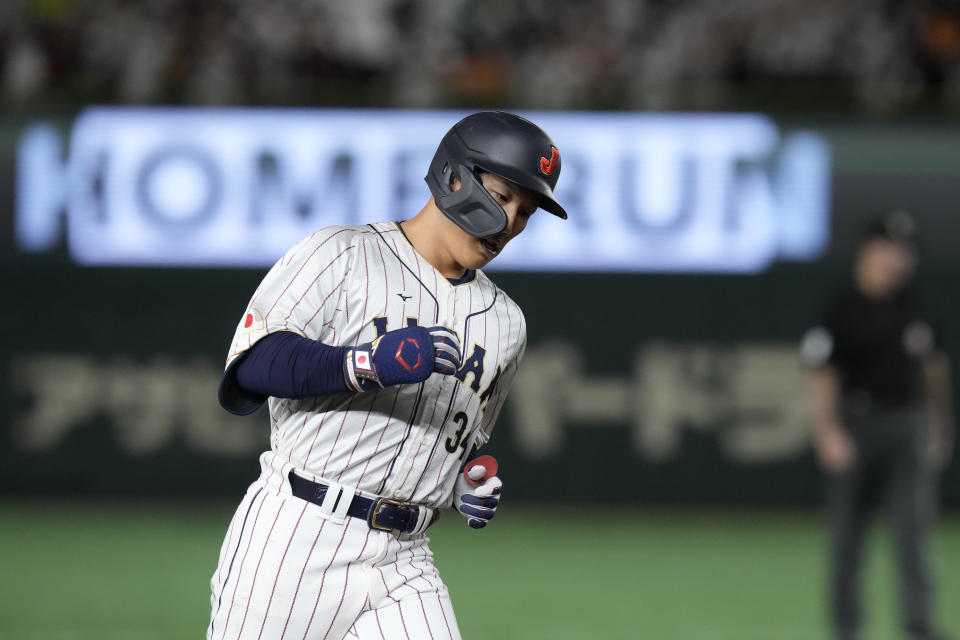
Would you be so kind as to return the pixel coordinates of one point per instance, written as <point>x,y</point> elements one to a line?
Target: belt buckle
<point>372,517</point>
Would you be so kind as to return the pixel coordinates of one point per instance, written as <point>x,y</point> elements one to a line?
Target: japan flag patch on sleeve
<point>252,321</point>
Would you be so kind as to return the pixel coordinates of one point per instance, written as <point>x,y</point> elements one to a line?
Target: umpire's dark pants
<point>891,468</point>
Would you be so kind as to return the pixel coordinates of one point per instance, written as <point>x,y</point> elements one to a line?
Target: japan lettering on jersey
<point>345,286</point>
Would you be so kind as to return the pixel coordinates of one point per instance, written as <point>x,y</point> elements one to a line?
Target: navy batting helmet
<point>495,142</point>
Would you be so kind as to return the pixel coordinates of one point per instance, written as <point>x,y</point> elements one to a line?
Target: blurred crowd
<point>882,54</point>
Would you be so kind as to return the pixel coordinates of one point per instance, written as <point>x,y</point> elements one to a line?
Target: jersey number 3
<point>457,441</point>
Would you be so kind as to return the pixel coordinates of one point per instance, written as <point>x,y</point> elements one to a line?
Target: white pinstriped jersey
<point>345,286</point>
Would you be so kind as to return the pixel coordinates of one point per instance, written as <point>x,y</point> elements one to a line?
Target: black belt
<point>380,513</point>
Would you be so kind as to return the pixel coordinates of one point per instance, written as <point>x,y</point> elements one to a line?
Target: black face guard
<point>472,207</point>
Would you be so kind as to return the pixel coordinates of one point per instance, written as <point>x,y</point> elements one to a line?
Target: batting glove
<point>477,503</point>
<point>404,356</point>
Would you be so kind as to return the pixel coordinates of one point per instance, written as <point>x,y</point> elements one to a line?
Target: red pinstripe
<point>436,442</point>
<point>442,467</point>
<point>243,561</point>
<point>407,583</point>
<point>346,413</point>
<point>439,399</point>
<point>483,304</point>
<point>403,274</point>
<point>376,450</point>
<point>307,260</point>
<point>465,344</point>
<point>280,568</point>
<point>437,404</point>
<point>413,463</point>
<point>333,618</point>
<point>385,585</point>
<point>500,342</point>
<point>455,393</point>
<point>323,579</point>
<point>386,470</point>
<point>308,288</point>
<point>379,626</point>
<point>306,458</point>
<point>323,303</point>
<point>436,590</point>
<point>346,308</point>
<point>422,559</point>
<point>256,572</point>
<point>289,258</point>
<point>416,262</point>
<point>495,403</point>
<point>296,442</point>
<point>444,614</point>
<point>426,618</point>
<point>296,591</point>
<point>396,567</point>
<point>346,581</point>
<point>366,419</point>
<point>403,620</point>
<point>366,290</point>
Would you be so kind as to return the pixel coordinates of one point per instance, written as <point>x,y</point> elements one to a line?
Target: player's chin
<point>474,263</point>
<point>488,250</point>
<point>473,258</point>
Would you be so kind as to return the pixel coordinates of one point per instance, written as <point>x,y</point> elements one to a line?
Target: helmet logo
<point>547,166</point>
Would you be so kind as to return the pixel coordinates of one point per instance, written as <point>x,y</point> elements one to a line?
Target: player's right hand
<point>477,497</point>
<point>403,356</point>
<point>446,350</point>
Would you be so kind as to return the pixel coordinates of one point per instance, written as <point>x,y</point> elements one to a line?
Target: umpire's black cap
<point>894,226</point>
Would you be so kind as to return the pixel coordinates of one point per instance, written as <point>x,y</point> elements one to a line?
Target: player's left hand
<point>475,498</point>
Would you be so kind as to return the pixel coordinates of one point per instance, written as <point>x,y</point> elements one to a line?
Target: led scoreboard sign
<point>238,187</point>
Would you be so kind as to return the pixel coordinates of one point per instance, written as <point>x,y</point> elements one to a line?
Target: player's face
<point>519,204</point>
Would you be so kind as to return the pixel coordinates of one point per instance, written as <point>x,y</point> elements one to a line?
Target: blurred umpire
<point>883,423</point>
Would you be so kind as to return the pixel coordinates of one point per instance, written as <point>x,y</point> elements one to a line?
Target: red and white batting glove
<point>477,491</point>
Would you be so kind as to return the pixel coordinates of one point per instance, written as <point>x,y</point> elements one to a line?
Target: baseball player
<point>385,355</point>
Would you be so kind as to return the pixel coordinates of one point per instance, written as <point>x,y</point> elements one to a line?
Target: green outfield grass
<point>107,572</point>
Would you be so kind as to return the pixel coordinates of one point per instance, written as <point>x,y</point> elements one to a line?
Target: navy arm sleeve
<point>282,365</point>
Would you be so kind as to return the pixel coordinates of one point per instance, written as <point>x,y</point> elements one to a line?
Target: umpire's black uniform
<point>875,349</point>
